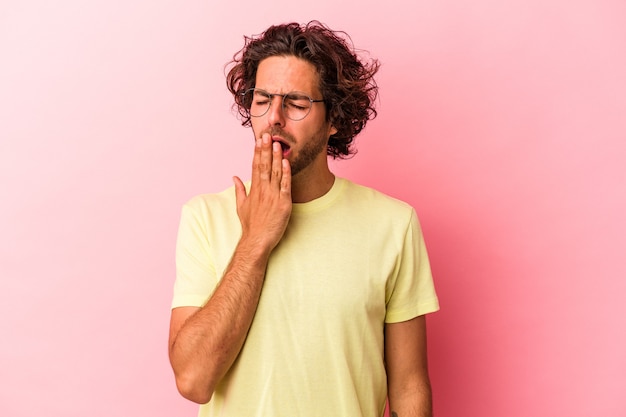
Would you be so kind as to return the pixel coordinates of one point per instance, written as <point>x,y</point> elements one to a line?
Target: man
<point>300,293</point>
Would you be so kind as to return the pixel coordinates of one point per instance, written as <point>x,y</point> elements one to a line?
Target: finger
<point>256,160</point>
<point>240,192</point>
<point>285,181</point>
<point>264,166</point>
<point>277,157</point>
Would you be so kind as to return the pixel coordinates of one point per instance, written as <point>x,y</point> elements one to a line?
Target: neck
<point>305,189</point>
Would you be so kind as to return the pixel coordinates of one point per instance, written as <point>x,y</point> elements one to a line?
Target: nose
<point>275,116</point>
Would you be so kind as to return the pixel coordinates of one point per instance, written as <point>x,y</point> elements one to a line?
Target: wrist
<point>254,251</point>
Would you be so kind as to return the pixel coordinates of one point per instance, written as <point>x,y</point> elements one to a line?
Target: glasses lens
<point>296,106</point>
<point>258,101</point>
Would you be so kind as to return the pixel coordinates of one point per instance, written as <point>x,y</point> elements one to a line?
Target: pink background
<point>503,123</point>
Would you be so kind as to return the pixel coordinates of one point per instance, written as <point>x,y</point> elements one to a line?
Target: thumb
<point>240,191</point>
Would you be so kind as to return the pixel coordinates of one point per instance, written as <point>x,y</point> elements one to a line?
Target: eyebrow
<point>282,94</point>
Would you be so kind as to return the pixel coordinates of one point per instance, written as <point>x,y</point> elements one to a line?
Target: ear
<point>332,130</point>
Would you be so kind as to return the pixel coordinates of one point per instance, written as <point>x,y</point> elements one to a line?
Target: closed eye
<point>261,96</point>
<point>297,102</point>
<point>296,106</point>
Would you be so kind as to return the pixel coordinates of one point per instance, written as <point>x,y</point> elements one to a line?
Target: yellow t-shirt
<point>349,262</point>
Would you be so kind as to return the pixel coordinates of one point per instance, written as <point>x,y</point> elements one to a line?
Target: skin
<point>204,342</point>
<point>408,383</point>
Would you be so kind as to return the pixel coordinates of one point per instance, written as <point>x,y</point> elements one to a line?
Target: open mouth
<point>285,147</point>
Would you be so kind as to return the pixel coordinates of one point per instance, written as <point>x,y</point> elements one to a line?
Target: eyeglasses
<point>296,106</point>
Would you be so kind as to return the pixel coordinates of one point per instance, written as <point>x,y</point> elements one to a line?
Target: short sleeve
<point>195,269</point>
<point>411,291</point>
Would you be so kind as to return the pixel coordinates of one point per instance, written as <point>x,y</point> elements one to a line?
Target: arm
<point>204,342</point>
<point>407,369</point>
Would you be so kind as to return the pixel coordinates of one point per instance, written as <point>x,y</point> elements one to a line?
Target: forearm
<point>413,402</point>
<point>406,361</point>
<point>209,341</point>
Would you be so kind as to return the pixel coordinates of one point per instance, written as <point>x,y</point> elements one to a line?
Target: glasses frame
<point>282,102</point>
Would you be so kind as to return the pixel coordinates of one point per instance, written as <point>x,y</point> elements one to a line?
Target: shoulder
<point>211,201</point>
<point>211,208</point>
<point>370,199</point>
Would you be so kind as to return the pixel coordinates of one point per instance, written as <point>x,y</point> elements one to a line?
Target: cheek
<point>257,126</point>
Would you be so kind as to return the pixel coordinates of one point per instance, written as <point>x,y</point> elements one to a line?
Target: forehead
<point>283,74</point>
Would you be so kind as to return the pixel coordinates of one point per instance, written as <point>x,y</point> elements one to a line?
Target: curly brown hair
<point>346,83</point>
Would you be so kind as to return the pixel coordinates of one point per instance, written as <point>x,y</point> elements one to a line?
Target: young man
<point>300,293</point>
